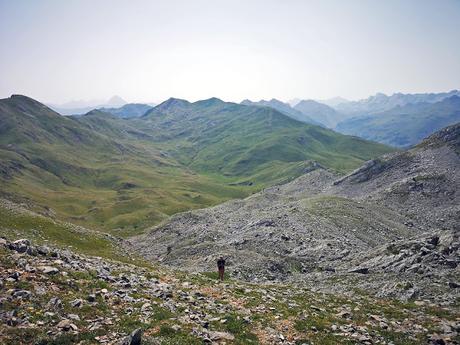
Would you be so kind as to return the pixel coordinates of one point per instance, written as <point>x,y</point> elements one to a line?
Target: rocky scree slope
<point>54,296</point>
<point>321,227</point>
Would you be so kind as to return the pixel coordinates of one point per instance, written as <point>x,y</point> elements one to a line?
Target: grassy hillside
<point>239,140</point>
<point>129,110</point>
<point>19,222</point>
<point>108,179</point>
<point>123,175</point>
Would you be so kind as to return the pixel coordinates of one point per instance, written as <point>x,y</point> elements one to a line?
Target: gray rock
<point>454,285</point>
<point>67,325</point>
<point>76,303</point>
<point>20,246</point>
<point>215,336</point>
<point>43,250</point>
<point>54,303</point>
<point>49,270</point>
<point>362,270</point>
<point>23,294</point>
<point>32,251</point>
<point>134,338</point>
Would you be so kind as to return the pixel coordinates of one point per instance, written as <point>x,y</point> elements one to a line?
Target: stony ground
<point>54,296</point>
<point>424,267</point>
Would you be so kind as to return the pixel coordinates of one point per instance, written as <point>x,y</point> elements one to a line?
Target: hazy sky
<point>56,51</point>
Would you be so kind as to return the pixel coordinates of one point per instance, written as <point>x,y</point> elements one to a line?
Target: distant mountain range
<point>115,105</point>
<point>285,108</point>
<point>399,120</point>
<point>82,107</point>
<point>333,102</point>
<point>319,112</point>
<point>114,101</point>
<point>308,111</point>
<point>381,102</point>
<point>406,125</point>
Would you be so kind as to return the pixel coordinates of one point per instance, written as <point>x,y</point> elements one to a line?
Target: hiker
<point>221,267</point>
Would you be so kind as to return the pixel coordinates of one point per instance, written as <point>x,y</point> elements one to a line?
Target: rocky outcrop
<point>99,301</point>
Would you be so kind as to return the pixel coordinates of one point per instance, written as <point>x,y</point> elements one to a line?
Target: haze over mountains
<point>321,113</point>
<point>82,106</point>
<point>115,105</point>
<point>400,120</point>
<point>284,108</point>
<point>381,102</point>
<point>404,125</point>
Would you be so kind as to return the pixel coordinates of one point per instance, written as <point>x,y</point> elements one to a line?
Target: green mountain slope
<point>213,136</point>
<point>129,110</point>
<point>122,175</point>
<point>19,222</point>
<point>110,179</point>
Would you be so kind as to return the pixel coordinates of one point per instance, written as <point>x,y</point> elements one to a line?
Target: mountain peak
<point>19,98</point>
<point>209,101</point>
<point>333,102</point>
<point>311,103</point>
<point>277,101</point>
<point>116,101</point>
<point>171,103</point>
<point>99,112</point>
<point>379,96</point>
<point>173,100</point>
<point>27,103</point>
<point>307,101</point>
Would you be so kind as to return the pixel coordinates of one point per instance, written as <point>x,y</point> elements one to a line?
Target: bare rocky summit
<point>391,227</point>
